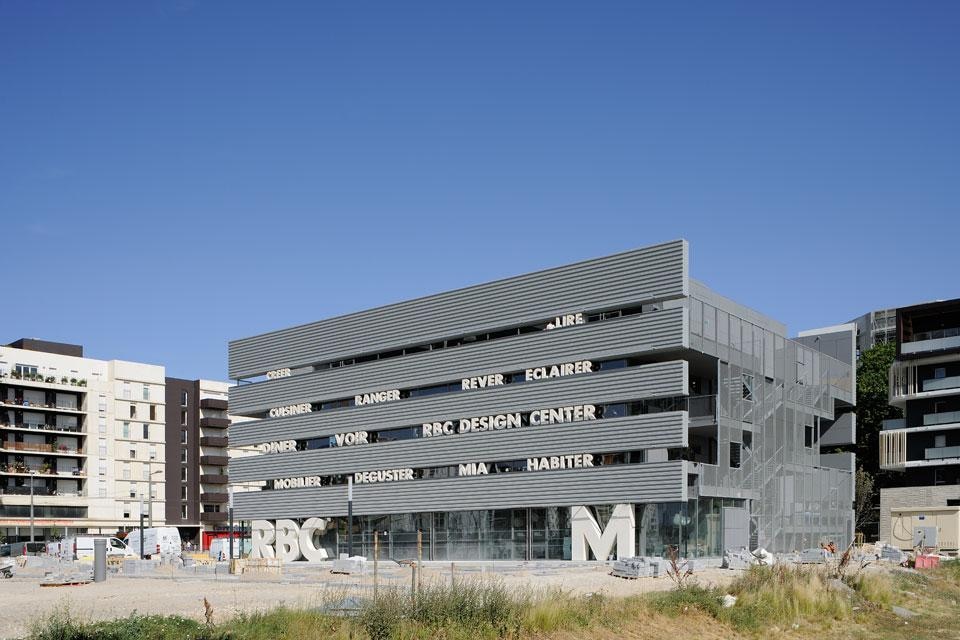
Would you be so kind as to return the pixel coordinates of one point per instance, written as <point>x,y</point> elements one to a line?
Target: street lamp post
<point>141,528</point>
<point>230,515</point>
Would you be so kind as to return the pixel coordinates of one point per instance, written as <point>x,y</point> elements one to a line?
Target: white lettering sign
<point>384,475</point>
<point>290,410</point>
<point>575,461</point>
<point>281,446</point>
<point>278,373</point>
<point>559,370</point>
<point>480,382</point>
<point>585,532</point>
<point>473,469</point>
<point>567,320</point>
<point>576,413</point>
<point>297,483</point>
<point>347,439</point>
<point>288,541</point>
<point>376,397</point>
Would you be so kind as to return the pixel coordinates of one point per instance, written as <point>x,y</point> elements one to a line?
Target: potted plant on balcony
<point>15,374</point>
<point>73,381</point>
<point>64,380</point>
<point>50,379</point>
<point>45,467</point>
<point>82,382</point>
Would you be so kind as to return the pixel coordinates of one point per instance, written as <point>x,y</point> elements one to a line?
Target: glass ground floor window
<point>539,533</point>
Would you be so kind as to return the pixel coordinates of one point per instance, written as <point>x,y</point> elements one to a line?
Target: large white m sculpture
<point>586,533</point>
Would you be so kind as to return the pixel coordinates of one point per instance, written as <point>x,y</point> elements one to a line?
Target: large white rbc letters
<point>286,540</point>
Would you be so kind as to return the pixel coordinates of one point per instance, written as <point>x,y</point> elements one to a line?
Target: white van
<point>81,548</point>
<point>220,547</point>
<point>157,541</point>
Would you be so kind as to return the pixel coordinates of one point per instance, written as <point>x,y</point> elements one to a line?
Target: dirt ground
<point>24,600</point>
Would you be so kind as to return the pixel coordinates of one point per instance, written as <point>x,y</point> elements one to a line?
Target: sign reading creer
<point>279,373</point>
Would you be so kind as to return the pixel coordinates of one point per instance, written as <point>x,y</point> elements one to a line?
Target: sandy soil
<point>173,592</point>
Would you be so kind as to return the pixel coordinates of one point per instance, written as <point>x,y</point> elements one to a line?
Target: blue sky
<point>177,174</point>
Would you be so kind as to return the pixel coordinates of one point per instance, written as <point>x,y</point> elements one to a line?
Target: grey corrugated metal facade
<point>689,418</point>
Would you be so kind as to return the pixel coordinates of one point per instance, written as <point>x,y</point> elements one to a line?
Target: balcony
<point>35,406</point>
<point>937,340</point>
<point>20,469</point>
<point>894,423</point>
<point>946,417</point>
<point>939,453</point>
<point>61,450</point>
<point>213,516</point>
<point>76,385</point>
<point>219,461</point>
<point>214,423</point>
<point>215,498</point>
<point>213,478</point>
<point>52,428</point>
<point>39,491</point>
<point>217,404</point>
<point>939,384</point>
<point>214,441</point>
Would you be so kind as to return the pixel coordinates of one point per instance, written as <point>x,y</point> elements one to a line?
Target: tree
<point>863,505</point>
<point>873,382</point>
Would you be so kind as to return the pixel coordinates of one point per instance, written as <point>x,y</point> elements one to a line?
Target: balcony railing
<point>938,453</point>
<point>47,472</point>
<point>42,448</point>
<point>42,427</point>
<point>945,417</point>
<point>219,461</point>
<point>214,441</point>
<point>939,384</point>
<point>894,423</point>
<point>213,478</point>
<point>218,423</point>
<point>213,403</point>
<point>39,491</point>
<point>932,341</point>
<point>213,516</point>
<point>215,498</point>
<point>702,406</point>
<point>30,377</point>
<point>39,406</point>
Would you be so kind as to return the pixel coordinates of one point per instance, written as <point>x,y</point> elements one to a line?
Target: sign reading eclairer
<point>567,320</point>
<point>536,373</point>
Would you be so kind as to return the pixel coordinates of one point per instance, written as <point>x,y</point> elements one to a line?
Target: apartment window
<point>153,412</point>
<point>183,455</point>
<point>26,369</point>
<point>103,468</point>
<point>183,492</point>
<point>183,416</point>
<point>183,398</point>
<point>940,372</point>
<point>145,472</point>
<point>103,403</point>
<point>153,452</point>
<point>133,452</point>
<point>146,432</point>
<point>102,448</point>
<point>183,436</point>
<point>133,491</point>
<point>183,474</point>
<point>734,455</point>
<point>183,511</point>
<point>940,441</point>
<point>808,437</point>
<point>126,510</point>
<point>146,392</point>
<point>133,410</point>
<point>126,390</point>
<point>102,424</point>
<point>102,491</point>
<point>747,440</point>
<point>126,472</point>
<point>126,429</point>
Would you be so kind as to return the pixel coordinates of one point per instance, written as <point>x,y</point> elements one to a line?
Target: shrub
<point>784,594</point>
<point>875,587</point>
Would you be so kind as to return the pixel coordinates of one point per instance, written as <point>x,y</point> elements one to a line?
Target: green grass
<point>786,597</point>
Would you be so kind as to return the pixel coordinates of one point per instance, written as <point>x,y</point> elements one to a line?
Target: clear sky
<point>177,174</point>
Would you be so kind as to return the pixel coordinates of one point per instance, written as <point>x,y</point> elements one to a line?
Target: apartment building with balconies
<point>924,445</point>
<point>79,434</point>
